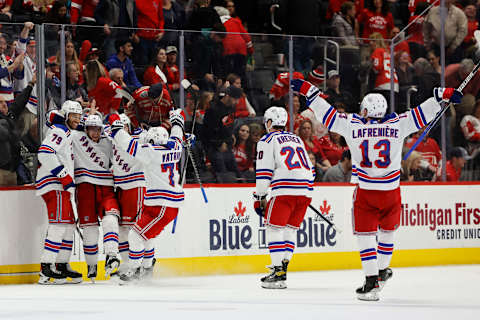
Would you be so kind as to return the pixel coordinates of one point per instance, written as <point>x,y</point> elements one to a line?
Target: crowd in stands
<point>117,53</point>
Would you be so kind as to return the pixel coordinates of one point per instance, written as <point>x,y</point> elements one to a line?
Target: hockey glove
<point>65,178</point>
<point>176,118</point>
<point>306,89</point>
<point>260,204</point>
<point>115,124</point>
<point>450,95</point>
<point>189,140</point>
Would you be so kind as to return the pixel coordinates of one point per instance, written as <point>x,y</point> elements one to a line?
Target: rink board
<point>440,225</point>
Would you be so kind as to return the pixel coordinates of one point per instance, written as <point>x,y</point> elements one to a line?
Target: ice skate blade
<point>274,285</point>
<point>109,270</point>
<point>49,281</point>
<point>381,284</point>
<point>92,280</point>
<point>371,296</point>
<point>75,281</point>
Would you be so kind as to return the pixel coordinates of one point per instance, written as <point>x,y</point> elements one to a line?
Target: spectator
<point>415,32</point>
<point>207,59</point>
<point>71,56</point>
<point>117,19</point>
<point>376,18</point>
<point>433,57</point>
<point>316,167</point>
<point>342,171</point>
<point>457,72</point>
<point>116,75</point>
<point>203,17</point>
<point>399,45</point>
<point>470,125</point>
<point>257,131</point>
<point>151,107</point>
<point>469,43</point>
<point>5,14</point>
<point>9,70</point>
<point>345,25</point>
<point>121,60</point>
<point>281,87</point>
<point>426,78</point>
<point>82,14</point>
<point>404,69</point>
<point>415,168</point>
<point>312,143</point>
<point>236,44</point>
<point>455,164</point>
<point>456,28</point>
<point>9,135</point>
<point>56,16</point>
<point>428,149</point>
<point>75,91</point>
<point>333,90</point>
<point>149,16</point>
<point>243,108</point>
<point>173,70</point>
<point>174,17</point>
<point>381,65</point>
<point>217,135</point>
<point>157,70</point>
<point>244,152</point>
<point>316,76</point>
<point>332,145</point>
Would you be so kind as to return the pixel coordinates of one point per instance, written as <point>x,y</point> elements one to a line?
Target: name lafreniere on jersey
<point>375,132</point>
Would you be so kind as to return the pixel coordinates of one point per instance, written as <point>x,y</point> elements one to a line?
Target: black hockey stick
<point>325,219</point>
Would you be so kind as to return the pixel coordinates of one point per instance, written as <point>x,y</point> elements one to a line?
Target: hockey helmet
<point>156,135</point>
<point>71,106</point>
<point>277,115</point>
<point>93,120</point>
<point>55,117</point>
<point>375,104</point>
<point>125,119</point>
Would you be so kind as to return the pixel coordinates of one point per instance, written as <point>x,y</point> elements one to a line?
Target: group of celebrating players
<point>129,179</point>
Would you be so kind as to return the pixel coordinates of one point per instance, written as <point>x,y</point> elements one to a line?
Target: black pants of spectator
<point>223,164</point>
<point>236,63</point>
<point>86,31</point>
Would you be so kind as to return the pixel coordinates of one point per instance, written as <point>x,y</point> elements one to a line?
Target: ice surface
<point>413,293</point>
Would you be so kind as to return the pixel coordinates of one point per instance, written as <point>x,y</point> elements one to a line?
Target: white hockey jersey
<point>56,151</point>
<point>283,164</point>
<point>92,160</point>
<point>160,165</point>
<point>127,171</point>
<point>375,145</point>
<point>29,68</point>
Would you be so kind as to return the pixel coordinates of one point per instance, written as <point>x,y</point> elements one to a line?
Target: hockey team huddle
<point>128,179</point>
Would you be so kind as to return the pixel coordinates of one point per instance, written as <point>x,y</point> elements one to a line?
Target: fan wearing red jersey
<point>381,63</point>
<point>375,141</point>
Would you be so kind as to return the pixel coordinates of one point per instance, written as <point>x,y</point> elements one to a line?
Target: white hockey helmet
<point>71,106</point>
<point>125,119</point>
<point>277,115</point>
<point>93,120</point>
<point>156,135</point>
<point>375,104</point>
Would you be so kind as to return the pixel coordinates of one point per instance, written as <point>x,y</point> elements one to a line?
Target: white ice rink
<point>438,293</point>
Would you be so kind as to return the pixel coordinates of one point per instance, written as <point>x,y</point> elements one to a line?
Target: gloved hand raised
<point>450,95</point>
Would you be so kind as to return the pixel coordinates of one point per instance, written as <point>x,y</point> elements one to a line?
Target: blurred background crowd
<point>239,56</point>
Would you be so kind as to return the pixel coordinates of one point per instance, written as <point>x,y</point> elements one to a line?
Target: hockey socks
<point>67,245</point>
<point>136,249</point>
<point>110,234</point>
<point>90,244</point>
<point>367,246</point>
<point>276,244</point>
<point>290,235</point>
<point>384,249</point>
<point>53,243</point>
<point>149,253</point>
<point>123,242</point>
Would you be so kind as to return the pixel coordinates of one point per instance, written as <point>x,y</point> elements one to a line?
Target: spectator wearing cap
<point>458,157</point>
<point>174,17</point>
<point>317,76</point>
<point>217,132</point>
<point>117,19</point>
<point>345,25</point>
<point>333,90</point>
<point>121,60</point>
<point>237,43</point>
<point>151,108</point>
<point>174,71</point>
<point>243,108</point>
<point>150,22</point>
<point>342,171</point>
<point>9,70</point>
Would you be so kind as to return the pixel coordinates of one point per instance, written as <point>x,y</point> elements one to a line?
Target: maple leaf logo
<point>239,209</point>
<point>325,209</point>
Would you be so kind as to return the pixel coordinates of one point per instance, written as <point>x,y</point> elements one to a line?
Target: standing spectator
<point>9,135</point>
<point>457,72</point>
<point>426,78</point>
<point>149,16</point>
<point>280,87</point>
<point>415,32</point>
<point>342,171</point>
<point>456,28</point>
<point>316,76</point>
<point>469,43</point>
<point>244,152</point>
<point>402,45</point>
<point>433,57</point>
<point>458,157</point>
<point>82,14</point>
<point>243,108</point>
<point>217,135</point>
<point>5,14</point>
<point>404,68</point>
<point>174,17</point>
<point>121,60</point>
<point>203,17</point>
<point>9,69</point>
<point>71,56</point>
<point>236,44</point>
<point>56,16</point>
<point>381,65</point>
<point>376,17</point>
<point>345,25</point>
<point>120,14</point>
<point>333,90</point>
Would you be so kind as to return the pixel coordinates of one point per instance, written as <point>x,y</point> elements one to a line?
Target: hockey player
<point>95,196</point>
<point>283,165</point>
<point>375,141</point>
<point>130,189</point>
<point>55,185</point>
<point>160,157</point>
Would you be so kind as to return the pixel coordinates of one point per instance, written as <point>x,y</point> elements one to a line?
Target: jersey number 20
<point>384,152</point>
<point>289,161</point>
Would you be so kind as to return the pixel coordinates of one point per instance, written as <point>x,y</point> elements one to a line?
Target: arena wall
<point>440,225</point>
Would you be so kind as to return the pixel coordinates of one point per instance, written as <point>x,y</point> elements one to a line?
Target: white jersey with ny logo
<point>375,145</point>
<point>283,164</point>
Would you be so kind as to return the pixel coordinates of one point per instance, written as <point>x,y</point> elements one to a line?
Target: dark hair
<point>52,15</point>
<point>249,144</point>
<point>346,6</point>
<point>385,7</point>
<point>420,7</point>
<point>346,155</point>
<point>121,42</point>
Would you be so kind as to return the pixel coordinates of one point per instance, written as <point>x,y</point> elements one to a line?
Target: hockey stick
<point>325,219</point>
<point>75,214</point>
<point>442,111</point>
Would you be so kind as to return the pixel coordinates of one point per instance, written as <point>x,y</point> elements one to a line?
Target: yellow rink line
<point>15,274</point>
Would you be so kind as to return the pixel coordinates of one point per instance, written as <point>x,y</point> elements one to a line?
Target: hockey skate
<point>67,271</point>
<point>47,272</point>
<point>130,276</point>
<point>369,290</point>
<point>92,272</point>
<point>285,263</point>
<point>111,263</point>
<point>147,273</point>
<point>383,276</point>
<point>276,279</point>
